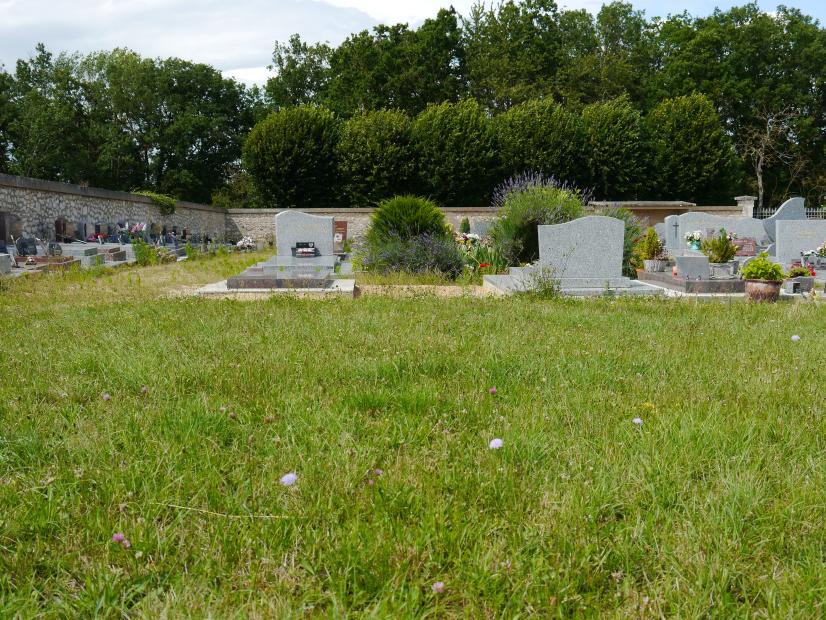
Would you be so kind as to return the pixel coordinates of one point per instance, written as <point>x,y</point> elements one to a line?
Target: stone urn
<point>763,290</point>
<point>723,271</point>
<point>655,265</point>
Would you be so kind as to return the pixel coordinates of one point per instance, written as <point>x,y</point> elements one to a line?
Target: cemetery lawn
<point>713,507</point>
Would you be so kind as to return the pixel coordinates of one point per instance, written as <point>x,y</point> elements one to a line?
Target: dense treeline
<point>455,153</point>
<point>600,99</point>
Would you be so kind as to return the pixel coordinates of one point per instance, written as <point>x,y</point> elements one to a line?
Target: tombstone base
<point>696,287</point>
<point>569,287</point>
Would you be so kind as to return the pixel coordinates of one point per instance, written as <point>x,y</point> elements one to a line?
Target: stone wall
<point>32,206</point>
<point>260,223</point>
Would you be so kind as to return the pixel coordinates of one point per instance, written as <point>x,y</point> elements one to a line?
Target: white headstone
<point>792,209</point>
<point>588,247</point>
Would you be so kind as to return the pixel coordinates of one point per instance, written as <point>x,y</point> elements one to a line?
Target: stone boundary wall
<point>260,223</point>
<point>37,204</point>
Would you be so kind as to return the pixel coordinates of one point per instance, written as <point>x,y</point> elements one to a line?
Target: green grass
<point>714,507</point>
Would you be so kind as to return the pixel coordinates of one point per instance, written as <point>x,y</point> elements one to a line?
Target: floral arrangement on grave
<point>693,239</point>
<point>651,246</point>
<point>467,240</point>
<point>479,254</point>
<point>799,271</point>
<point>761,268</point>
<point>720,248</point>
<point>821,251</point>
<point>246,243</point>
<point>651,250</point>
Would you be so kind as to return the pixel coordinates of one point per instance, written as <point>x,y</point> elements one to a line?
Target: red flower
<point>483,265</point>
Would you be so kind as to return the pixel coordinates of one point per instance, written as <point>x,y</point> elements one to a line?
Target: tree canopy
<point>554,76</point>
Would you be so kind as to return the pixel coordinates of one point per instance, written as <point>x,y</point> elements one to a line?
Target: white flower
<point>795,338</point>
<point>495,444</point>
<point>289,479</point>
<point>637,421</point>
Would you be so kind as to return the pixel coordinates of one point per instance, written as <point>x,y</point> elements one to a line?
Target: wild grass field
<point>713,506</point>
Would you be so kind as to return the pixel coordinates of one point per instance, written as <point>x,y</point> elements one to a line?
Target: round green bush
<point>405,217</point>
<point>375,157</point>
<point>526,202</point>
<point>456,152</point>
<point>291,158</point>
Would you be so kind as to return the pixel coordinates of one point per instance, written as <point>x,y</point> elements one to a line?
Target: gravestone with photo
<point>305,255</point>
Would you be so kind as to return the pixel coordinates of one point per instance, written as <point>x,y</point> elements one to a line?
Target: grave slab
<point>796,236</point>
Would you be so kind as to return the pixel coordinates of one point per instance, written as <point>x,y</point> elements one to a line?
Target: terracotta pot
<point>763,290</point>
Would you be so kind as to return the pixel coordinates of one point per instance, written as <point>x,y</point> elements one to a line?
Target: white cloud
<point>400,11</point>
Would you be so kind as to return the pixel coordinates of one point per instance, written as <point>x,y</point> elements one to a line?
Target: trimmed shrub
<point>455,149</point>
<point>404,217</point>
<point>526,202</point>
<point>615,149</point>
<point>291,158</point>
<point>375,157</point>
<point>693,157</point>
<point>541,135</point>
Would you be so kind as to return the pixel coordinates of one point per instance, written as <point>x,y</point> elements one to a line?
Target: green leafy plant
<point>761,268</point>
<point>464,226</point>
<point>145,254</point>
<point>799,272</point>
<point>720,248</point>
<point>166,204</point>
<point>651,246</point>
<point>405,217</point>
<point>526,202</point>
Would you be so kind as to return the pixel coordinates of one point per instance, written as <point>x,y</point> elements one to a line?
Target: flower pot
<point>723,271</point>
<point>654,265</point>
<point>763,290</point>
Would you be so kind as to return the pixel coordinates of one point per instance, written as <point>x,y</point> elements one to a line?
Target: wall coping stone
<point>8,180</point>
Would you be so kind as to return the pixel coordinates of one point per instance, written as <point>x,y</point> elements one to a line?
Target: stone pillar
<point>746,204</point>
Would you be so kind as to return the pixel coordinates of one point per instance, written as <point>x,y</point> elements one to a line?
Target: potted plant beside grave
<point>693,239</point>
<point>721,251</point>
<point>763,279</point>
<point>652,252</point>
<point>804,277</point>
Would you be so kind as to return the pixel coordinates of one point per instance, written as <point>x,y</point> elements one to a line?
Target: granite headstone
<point>792,209</point>
<point>796,236</point>
<point>588,247</point>
<point>292,227</point>
<point>693,267</point>
<point>5,264</point>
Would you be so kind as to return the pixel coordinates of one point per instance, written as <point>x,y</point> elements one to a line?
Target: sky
<point>237,36</point>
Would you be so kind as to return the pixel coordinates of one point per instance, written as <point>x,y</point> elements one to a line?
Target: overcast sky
<point>237,36</point>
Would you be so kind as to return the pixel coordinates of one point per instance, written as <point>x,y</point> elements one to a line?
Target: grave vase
<point>694,245</point>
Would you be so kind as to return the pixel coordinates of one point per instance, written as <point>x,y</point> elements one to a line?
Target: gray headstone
<point>660,230</point>
<point>796,236</point>
<point>480,227</point>
<point>293,227</point>
<point>5,264</point>
<point>588,247</point>
<point>693,267</point>
<point>792,209</point>
<point>673,240</point>
<point>740,226</point>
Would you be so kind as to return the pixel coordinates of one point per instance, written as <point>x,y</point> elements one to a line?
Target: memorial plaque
<point>339,236</point>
